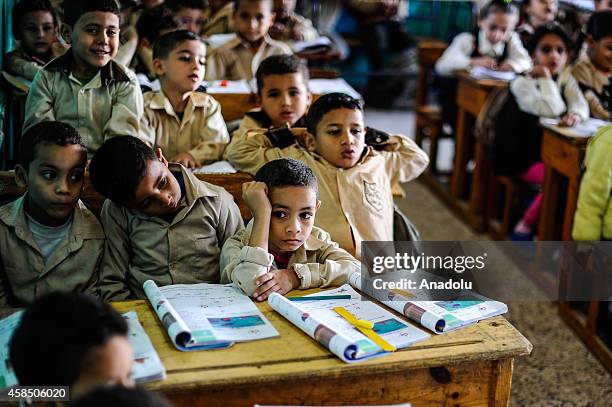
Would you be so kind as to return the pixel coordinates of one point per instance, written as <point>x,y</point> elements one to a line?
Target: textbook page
<point>583,129</point>
<point>147,365</point>
<point>218,167</point>
<point>480,72</point>
<point>7,327</point>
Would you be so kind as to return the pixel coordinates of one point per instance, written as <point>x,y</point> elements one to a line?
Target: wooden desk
<point>472,366</point>
<point>429,51</point>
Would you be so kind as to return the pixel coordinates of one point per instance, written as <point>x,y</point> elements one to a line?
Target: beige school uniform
<point>109,105</point>
<point>319,262</point>
<point>184,251</point>
<point>73,266</point>
<point>357,204</point>
<point>201,133</point>
<point>595,86</point>
<point>20,63</point>
<point>219,23</point>
<point>235,59</point>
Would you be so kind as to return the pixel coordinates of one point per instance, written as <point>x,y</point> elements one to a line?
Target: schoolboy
<point>35,27</point>
<point>290,26</point>
<point>354,179</point>
<point>239,58</point>
<point>74,340</point>
<point>186,125</point>
<point>282,93</point>
<point>161,222</point>
<point>49,240</point>
<point>218,18</point>
<point>281,249</point>
<point>189,13</point>
<point>85,87</point>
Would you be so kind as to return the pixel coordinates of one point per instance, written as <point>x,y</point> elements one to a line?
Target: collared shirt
<point>219,23</point>
<point>235,59</point>
<point>596,87</point>
<point>20,63</point>
<point>109,105</point>
<point>201,132</point>
<point>185,251</point>
<point>319,262</point>
<point>356,203</point>
<point>73,266</point>
<point>458,54</point>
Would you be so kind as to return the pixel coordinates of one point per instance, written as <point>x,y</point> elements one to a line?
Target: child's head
<point>35,26</point>
<point>92,28</point>
<point>52,167</point>
<point>599,39</point>
<point>550,46</point>
<point>189,13</point>
<point>282,87</point>
<point>497,20</point>
<point>71,339</point>
<point>179,60</point>
<point>129,173</point>
<point>153,23</point>
<point>336,129</point>
<point>539,12</point>
<point>293,194</point>
<point>120,396</point>
<point>283,8</point>
<point>253,18</point>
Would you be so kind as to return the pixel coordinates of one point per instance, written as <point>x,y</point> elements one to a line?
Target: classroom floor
<point>561,371</point>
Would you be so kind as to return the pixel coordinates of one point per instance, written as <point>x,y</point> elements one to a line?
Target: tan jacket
<point>357,204</point>
<point>24,275</point>
<point>185,251</point>
<point>109,105</point>
<point>319,262</point>
<point>235,60</point>
<point>201,133</point>
<point>592,82</point>
<point>219,23</point>
<point>19,63</point>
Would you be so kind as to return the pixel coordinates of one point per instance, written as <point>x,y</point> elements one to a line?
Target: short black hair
<point>169,41</point>
<point>177,5</point>
<point>280,65</point>
<point>600,25</point>
<point>286,172</point>
<point>237,3</point>
<point>549,28</point>
<point>24,7</point>
<point>499,6</point>
<point>57,332</point>
<point>118,166</point>
<point>326,104</point>
<point>154,20</point>
<point>74,9</point>
<point>119,396</point>
<point>47,132</point>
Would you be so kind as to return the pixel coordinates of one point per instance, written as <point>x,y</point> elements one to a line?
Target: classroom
<point>306,202</point>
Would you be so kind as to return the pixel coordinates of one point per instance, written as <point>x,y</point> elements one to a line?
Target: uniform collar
<point>109,73</point>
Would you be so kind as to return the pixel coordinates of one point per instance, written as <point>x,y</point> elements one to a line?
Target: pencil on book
<point>321,298</point>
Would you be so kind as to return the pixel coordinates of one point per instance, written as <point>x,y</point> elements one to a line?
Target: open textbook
<point>465,308</point>
<point>207,316</point>
<point>318,319</point>
<point>479,72</point>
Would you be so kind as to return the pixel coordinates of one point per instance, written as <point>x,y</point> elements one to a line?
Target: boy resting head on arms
<point>72,340</point>
<point>355,180</point>
<point>281,249</point>
<point>187,125</point>
<point>189,13</point>
<point>239,58</point>
<point>161,222</point>
<point>49,240</point>
<point>290,26</point>
<point>35,26</point>
<point>152,24</point>
<point>282,93</point>
<point>85,87</point>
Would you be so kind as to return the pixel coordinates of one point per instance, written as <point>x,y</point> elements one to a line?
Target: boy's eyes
<point>48,175</point>
<point>279,214</point>
<point>306,215</point>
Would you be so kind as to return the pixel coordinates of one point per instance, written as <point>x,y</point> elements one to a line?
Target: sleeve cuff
<point>309,277</point>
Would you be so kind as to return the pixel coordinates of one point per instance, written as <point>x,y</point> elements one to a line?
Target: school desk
<point>471,366</point>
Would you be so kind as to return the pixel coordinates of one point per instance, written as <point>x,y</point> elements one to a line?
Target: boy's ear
<point>144,43</point>
<point>318,205</point>
<point>309,98</point>
<point>66,32</point>
<point>158,67</point>
<point>309,141</point>
<point>21,176</point>
<point>160,156</point>
<point>590,41</point>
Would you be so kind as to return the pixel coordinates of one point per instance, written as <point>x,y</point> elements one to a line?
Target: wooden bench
<point>231,182</point>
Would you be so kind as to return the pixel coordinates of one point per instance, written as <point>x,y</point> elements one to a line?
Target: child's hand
<point>185,159</point>
<point>393,144</point>
<point>255,194</point>
<point>280,281</point>
<point>540,71</point>
<point>505,67</point>
<point>486,62</point>
<point>570,120</point>
<point>276,30</point>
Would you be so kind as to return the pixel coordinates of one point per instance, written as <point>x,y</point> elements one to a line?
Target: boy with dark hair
<point>189,13</point>
<point>187,125</point>
<point>161,222</point>
<point>85,87</point>
<point>355,180</point>
<point>71,339</point>
<point>281,249</point>
<point>120,396</point>
<point>49,240</point>
<point>218,18</point>
<point>290,26</point>
<point>239,58</point>
<point>282,92</point>
<point>35,26</point>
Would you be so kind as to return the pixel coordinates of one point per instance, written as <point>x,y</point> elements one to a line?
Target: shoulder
<point>123,74</point>
<point>582,69</point>
<point>88,224</point>
<point>279,46</point>
<point>465,38</point>
<point>203,100</point>
<point>8,212</point>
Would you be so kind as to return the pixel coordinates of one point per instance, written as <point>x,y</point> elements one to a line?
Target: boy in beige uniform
<point>218,18</point>
<point>85,87</point>
<point>187,125</point>
<point>162,223</point>
<point>354,180</point>
<point>289,26</point>
<point>281,249</point>
<point>240,57</point>
<point>49,240</point>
